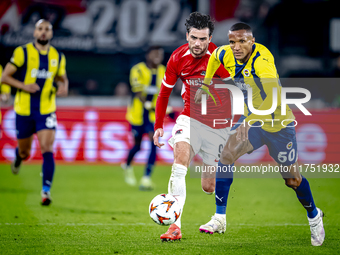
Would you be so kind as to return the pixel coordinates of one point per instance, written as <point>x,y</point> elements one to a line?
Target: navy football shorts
<point>26,126</point>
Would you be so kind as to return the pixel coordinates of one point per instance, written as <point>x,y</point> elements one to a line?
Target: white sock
<point>221,216</point>
<point>177,186</point>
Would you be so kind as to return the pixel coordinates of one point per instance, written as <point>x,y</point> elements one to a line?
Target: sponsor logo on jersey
<point>246,72</point>
<point>40,74</point>
<point>196,82</point>
<point>289,145</point>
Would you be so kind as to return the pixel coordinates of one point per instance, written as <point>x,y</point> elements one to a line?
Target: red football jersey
<point>192,71</point>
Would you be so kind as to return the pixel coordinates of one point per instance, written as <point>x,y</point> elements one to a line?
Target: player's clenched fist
<point>159,133</point>
<point>31,88</point>
<point>198,95</point>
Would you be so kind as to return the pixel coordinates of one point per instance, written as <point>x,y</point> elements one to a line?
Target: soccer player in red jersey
<point>193,132</point>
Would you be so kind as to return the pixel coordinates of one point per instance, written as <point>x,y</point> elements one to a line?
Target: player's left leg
<point>45,127</point>
<point>208,178</point>
<point>46,139</point>
<point>146,183</point>
<point>303,192</point>
<point>282,147</point>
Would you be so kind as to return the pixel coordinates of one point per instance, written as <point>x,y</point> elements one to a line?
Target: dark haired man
<point>252,65</point>
<point>145,79</point>
<point>192,134</point>
<point>37,66</point>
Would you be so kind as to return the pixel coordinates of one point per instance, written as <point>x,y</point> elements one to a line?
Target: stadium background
<point>103,39</point>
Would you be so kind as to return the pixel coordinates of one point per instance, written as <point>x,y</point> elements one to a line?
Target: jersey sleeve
<point>168,83</point>
<point>213,64</point>
<point>5,89</point>
<point>135,80</point>
<point>222,72</point>
<point>266,71</point>
<point>18,57</point>
<point>62,65</point>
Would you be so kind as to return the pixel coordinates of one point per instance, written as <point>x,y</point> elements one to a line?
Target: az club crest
<point>179,131</point>
<point>203,73</point>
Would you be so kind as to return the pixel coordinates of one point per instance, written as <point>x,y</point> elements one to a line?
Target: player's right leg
<point>25,128</point>
<point>177,186</point>
<point>183,153</point>
<point>22,152</point>
<point>130,178</point>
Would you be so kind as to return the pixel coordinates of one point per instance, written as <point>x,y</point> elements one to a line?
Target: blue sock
<point>224,179</point>
<point>151,161</point>
<point>305,197</point>
<point>18,159</point>
<point>48,170</point>
<point>132,153</point>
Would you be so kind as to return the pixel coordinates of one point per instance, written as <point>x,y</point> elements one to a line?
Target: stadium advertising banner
<point>103,135</point>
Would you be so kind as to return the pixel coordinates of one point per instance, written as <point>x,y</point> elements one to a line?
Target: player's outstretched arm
<point>7,78</point>
<point>62,83</point>
<point>213,64</point>
<point>158,133</point>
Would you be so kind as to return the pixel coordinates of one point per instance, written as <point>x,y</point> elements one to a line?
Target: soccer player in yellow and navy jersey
<point>252,65</point>
<point>5,92</point>
<point>33,70</point>
<point>145,79</point>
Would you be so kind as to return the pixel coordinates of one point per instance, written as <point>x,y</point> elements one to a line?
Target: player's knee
<point>293,183</point>
<point>46,148</point>
<point>227,157</point>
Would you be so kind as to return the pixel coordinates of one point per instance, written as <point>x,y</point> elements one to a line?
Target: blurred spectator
<point>122,89</point>
<point>91,88</point>
<point>336,71</point>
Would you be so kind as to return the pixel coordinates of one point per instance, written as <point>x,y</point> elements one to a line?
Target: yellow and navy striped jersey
<point>38,67</point>
<point>259,73</point>
<point>4,89</point>
<point>148,82</point>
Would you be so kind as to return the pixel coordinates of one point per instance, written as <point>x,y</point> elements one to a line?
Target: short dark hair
<point>199,21</point>
<point>241,26</point>
<point>153,47</point>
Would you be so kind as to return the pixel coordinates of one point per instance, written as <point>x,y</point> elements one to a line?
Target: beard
<point>199,53</point>
<point>43,42</point>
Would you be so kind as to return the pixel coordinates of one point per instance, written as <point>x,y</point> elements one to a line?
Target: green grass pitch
<point>94,211</point>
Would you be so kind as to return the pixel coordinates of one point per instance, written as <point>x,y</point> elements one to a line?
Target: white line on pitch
<point>149,224</point>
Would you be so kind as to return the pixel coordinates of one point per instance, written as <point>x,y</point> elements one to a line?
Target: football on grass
<point>164,209</point>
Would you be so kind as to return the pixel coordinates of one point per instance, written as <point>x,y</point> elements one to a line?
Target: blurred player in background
<point>193,132</point>
<point>32,70</point>
<point>5,93</point>
<point>252,64</point>
<point>145,79</point>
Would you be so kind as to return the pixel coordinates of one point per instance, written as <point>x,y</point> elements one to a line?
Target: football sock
<point>18,159</point>
<point>132,153</point>
<point>177,186</point>
<point>305,197</point>
<point>48,170</point>
<point>224,178</point>
<point>151,161</point>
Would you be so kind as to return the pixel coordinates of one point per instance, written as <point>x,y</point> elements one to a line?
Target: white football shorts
<point>204,140</point>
